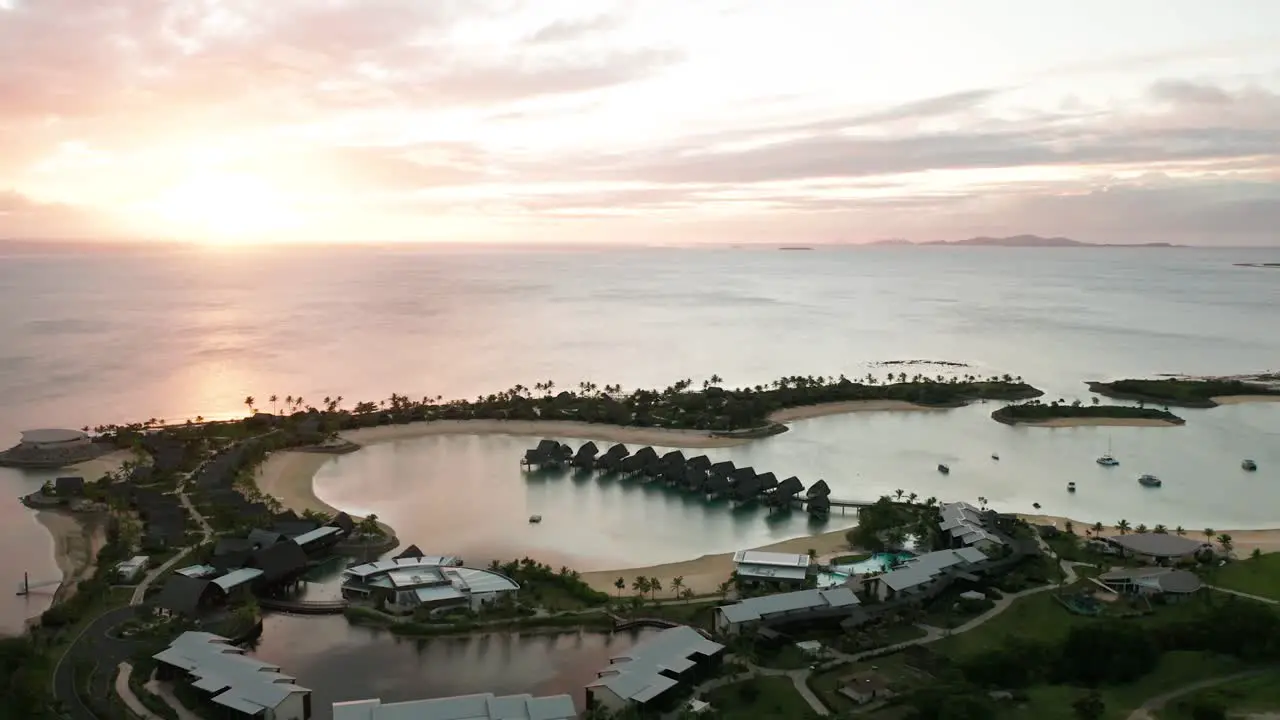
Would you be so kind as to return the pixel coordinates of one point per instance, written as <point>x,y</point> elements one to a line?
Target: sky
<point>656,122</point>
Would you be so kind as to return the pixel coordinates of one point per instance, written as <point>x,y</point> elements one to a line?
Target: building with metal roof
<point>1152,581</point>
<point>322,537</point>
<point>197,571</point>
<point>1156,546</point>
<point>412,583</point>
<point>644,675</point>
<point>758,566</point>
<point>242,685</point>
<point>966,525</point>
<point>486,706</point>
<point>236,579</point>
<point>368,570</point>
<point>924,574</point>
<point>785,608</point>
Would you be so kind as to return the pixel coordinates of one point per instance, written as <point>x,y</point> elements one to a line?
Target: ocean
<point>120,335</point>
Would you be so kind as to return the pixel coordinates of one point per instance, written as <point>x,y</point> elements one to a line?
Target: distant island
<point>1259,265</point>
<point>795,247</point>
<point>1189,392</point>
<point>1019,241</point>
<point>1060,414</point>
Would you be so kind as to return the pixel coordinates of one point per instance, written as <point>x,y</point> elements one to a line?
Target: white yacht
<point>1108,460</point>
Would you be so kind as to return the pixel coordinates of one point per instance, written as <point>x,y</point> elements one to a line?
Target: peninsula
<point>1191,392</point>
<point>1059,414</point>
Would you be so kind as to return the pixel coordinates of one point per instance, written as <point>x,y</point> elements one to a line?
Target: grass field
<point>761,698</point>
<point>901,675</point>
<point>1260,694</point>
<point>1256,576</point>
<point>1176,669</point>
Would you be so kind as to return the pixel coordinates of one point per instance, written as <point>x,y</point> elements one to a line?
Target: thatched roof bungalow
<point>586,456</point>
<point>820,505</point>
<point>699,462</point>
<point>768,481</point>
<point>413,551</point>
<point>694,479</point>
<point>673,473</point>
<point>746,489</point>
<point>742,475</point>
<point>786,491</point>
<point>818,489</point>
<point>716,485</point>
<point>724,469</point>
<point>612,457</point>
<point>632,464</point>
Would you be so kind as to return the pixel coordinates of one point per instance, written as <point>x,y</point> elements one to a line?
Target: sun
<point>224,208</point>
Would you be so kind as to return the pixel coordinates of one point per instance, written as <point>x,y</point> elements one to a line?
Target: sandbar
<point>661,437</point>
<point>805,412</point>
<point>1239,399</point>
<point>1243,542</point>
<point>77,538</point>
<point>1098,422</point>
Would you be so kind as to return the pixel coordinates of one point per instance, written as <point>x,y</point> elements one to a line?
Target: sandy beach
<point>1100,422</point>
<point>806,412</point>
<point>703,575</point>
<point>1239,399</point>
<point>1242,541</point>
<point>77,538</point>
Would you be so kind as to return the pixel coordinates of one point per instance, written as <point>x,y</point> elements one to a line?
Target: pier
<point>697,474</point>
<point>26,586</point>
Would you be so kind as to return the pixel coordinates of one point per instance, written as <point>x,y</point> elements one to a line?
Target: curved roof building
<point>431,583</point>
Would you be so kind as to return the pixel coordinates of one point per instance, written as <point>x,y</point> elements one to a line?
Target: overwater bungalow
<point>673,473</point>
<point>818,489</point>
<point>632,464</point>
<point>699,462</point>
<point>413,551</point>
<point>724,469</point>
<point>694,479</point>
<point>819,506</point>
<point>768,481</point>
<point>675,456</point>
<point>586,456</point>
<point>786,491</point>
<point>746,490</point>
<point>612,458</point>
<point>741,475</point>
<point>716,486</point>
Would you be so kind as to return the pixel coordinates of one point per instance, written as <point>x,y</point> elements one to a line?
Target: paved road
<point>1156,703</point>
<point>93,644</point>
<point>1237,593</point>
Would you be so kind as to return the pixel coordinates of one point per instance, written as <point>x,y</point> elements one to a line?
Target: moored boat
<point>943,469</point>
<point>1249,465</point>
<point>1149,481</point>
<point>1071,487</point>
<point>1107,459</point>
<point>995,456</point>
<point>535,518</point>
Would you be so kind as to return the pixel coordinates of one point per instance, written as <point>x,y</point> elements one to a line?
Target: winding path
<point>1237,593</point>
<point>1158,702</point>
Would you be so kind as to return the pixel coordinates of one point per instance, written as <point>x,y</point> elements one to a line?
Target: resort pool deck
<point>879,562</point>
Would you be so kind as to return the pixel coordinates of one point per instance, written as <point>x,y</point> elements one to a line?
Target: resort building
<point>966,526</point>
<point>432,583</point>
<point>785,608</point>
<point>128,570</point>
<point>242,687</point>
<point>485,706</point>
<point>865,687</point>
<point>924,575</point>
<point>645,676</point>
<point>1156,547</point>
<point>52,439</point>
<point>754,566</point>
<point>197,571</point>
<point>321,538</point>
<point>1171,585</point>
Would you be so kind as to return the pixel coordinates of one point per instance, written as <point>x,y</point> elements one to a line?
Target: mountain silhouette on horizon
<point>1023,241</point>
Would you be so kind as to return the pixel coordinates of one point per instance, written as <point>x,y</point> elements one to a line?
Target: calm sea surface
<point>115,336</point>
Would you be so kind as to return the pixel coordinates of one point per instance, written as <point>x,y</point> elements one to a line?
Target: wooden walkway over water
<point>304,607</point>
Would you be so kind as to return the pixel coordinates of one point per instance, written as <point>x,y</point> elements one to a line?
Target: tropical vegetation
<point>1035,411</point>
<point>1185,392</point>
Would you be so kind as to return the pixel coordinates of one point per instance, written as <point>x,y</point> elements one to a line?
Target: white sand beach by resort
<point>1243,542</point>
<point>1239,399</point>
<point>805,412</point>
<point>77,538</point>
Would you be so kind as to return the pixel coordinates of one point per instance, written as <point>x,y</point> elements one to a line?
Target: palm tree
<point>1208,534</point>
<point>654,586</point>
<point>1256,554</point>
<point>1097,529</point>
<point>897,494</point>
<point>274,398</point>
<point>1123,526</point>
<point>1225,541</point>
<point>1069,527</point>
<point>620,584</point>
<point>912,498</point>
<point>640,584</point>
<point>677,583</point>
<point>813,554</point>
<point>248,402</point>
<point>1140,529</point>
<point>724,588</point>
<point>983,502</point>
<point>1160,530</point>
<point>1179,531</point>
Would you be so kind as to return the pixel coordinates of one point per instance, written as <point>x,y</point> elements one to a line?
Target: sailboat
<point>1108,460</point>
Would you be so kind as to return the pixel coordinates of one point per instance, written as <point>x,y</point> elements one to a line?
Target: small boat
<point>1149,481</point>
<point>535,518</point>
<point>1249,465</point>
<point>1108,460</point>
<point>943,469</point>
<point>994,456</point>
<point>1071,487</point>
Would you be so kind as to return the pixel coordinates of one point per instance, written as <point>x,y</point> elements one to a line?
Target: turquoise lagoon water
<point>879,562</point>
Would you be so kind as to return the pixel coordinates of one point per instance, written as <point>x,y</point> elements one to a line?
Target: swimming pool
<point>879,562</point>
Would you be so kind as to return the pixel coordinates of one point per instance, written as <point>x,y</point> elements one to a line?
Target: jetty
<point>741,486</point>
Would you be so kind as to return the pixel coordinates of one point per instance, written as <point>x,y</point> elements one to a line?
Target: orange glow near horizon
<point>223,209</point>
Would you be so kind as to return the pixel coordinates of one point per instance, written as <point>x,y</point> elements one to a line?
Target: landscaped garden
<point>760,698</point>
<point>1256,575</point>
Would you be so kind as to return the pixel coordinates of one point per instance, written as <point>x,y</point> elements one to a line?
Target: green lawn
<point>1041,617</point>
<point>761,698</point>
<point>1258,694</point>
<point>1259,576</point>
<point>1176,669</point>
